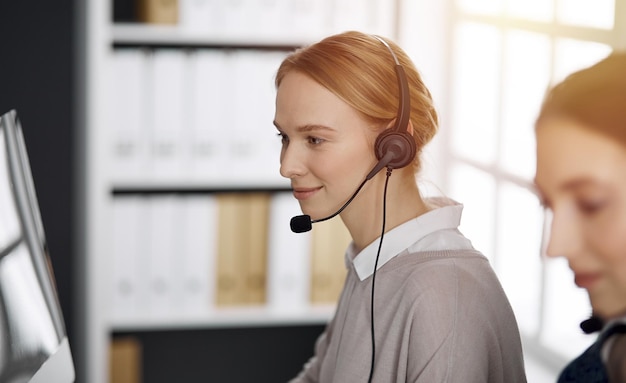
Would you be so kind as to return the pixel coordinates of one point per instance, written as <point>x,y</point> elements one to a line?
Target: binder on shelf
<point>237,19</point>
<point>210,123</point>
<point>242,249</point>
<point>308,20</point>
<point>158,11</point>
<point>269,144</point>
<point>167,113</point>
<point>164,246</point>
<point>254,20</point>
<point>330,240</point>
<point>267,19</point>
<point>201,17</point>
<point>376,16</point>
<point>195,289</point>
<point>257,231</point>
<point>128,110</point>
<point>230,288</point>
<point>253,147</point>
<point>129,283</point>
<point>289,273</point>
<point>241,146</point>
<point>352,15</point>
<point>125,360</point>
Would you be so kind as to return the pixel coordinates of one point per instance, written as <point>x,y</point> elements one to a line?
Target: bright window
<point>503,56</point>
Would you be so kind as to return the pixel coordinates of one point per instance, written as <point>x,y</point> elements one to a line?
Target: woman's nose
<point>291,162</point>
<point>565,236</point>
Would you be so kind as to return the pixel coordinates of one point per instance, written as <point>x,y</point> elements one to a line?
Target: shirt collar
<point>446,214</point>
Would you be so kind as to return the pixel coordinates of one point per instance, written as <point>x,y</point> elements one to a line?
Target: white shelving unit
<point>132,33</point>
<point>102,37</point>
<point>252,316</point>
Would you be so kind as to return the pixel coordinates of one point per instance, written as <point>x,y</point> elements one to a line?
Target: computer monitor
<point>33,341</point>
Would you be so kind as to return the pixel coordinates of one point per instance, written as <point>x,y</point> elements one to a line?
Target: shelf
<point>200,188</point>
<point>255,316</point>
<point>146,35</point>
<point>253,38</point>
<point>187,190</point>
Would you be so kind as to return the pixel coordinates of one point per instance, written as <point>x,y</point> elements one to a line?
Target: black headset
<point>397,140</point>
<point>395,148</point>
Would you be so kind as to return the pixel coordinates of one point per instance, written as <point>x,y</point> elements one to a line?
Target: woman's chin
<point>608,311</point>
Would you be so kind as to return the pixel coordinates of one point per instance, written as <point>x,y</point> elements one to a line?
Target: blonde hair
<point>359,69</point>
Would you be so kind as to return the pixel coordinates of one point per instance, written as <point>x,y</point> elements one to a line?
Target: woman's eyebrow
<point>307,128</point>
<point>313,127</point>
<point>579,183</point>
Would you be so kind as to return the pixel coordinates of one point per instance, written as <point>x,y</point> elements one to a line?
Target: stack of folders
<point>201,115</point>
<point>163,250</point>
<point>246,18</point>
<point>305,20</point>
<point>178,255</point>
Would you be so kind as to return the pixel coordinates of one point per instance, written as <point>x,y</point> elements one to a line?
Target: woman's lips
<point>586,280</point>
<point>304,193</point>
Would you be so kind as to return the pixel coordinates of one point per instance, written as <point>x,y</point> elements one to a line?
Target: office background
<point>486,61</point>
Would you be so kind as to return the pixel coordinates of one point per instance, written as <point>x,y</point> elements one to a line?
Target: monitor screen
<point>33,341</point>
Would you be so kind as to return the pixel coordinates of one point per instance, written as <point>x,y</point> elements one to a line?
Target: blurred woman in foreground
<point>581,176</point>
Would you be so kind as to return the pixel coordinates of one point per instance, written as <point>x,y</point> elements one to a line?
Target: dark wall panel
<point>36,79</point>
<point>233,355</point>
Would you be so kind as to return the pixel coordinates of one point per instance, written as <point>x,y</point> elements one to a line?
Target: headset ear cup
<point>400,143</point>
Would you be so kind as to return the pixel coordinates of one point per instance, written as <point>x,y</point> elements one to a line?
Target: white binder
<point>168,113</point>
<point>128,94</point>
<point>195,287</point>
<point>288,258</point>
<point>210,124</point>
<point>161,261</point>
<point>128,291</point>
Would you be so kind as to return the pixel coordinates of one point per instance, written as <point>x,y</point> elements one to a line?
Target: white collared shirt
<point>439,313</point>
<point>435,230</point>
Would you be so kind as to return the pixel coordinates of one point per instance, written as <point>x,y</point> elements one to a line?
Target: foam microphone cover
<point>301,223</point>
<point>591,325</point>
